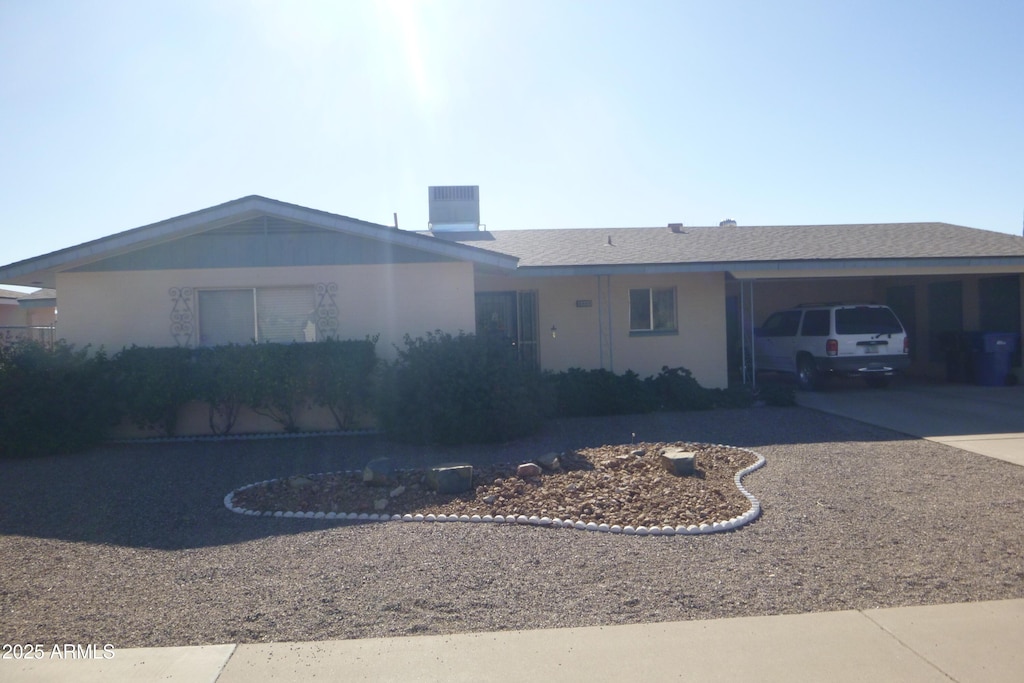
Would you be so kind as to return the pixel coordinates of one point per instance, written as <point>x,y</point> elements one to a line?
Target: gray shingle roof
<point>745,244</point>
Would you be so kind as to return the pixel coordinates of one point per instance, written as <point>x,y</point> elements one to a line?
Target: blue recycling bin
<point>991,353</point>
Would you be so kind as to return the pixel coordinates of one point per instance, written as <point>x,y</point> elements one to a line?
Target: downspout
<point>753,354</point>
<point>608,303</point>
<point>743,334</point>
<point>600,324</point>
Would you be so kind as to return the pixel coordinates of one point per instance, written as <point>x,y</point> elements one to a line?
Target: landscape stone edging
<point>735,523</point>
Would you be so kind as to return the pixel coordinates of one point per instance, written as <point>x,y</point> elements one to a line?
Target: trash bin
<point>991,353</point>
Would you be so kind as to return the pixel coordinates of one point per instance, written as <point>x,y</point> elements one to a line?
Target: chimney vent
<point>675,227</point>
<point>727,223</point>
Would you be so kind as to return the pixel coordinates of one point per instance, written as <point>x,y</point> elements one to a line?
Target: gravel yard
<point>131,544</point>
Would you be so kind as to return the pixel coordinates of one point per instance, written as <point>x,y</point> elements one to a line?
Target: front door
<point>511,317</point>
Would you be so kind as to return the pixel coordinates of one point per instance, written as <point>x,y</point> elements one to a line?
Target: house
<point>28,315</point>
<point>620,298</point>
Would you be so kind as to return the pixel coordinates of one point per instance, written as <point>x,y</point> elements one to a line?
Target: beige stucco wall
<point>114,310</point>
<point>598,336</point>
<point>11,313</point>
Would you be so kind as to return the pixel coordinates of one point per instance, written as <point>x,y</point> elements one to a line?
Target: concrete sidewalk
<point>984,420</point>
<point>965,642</point>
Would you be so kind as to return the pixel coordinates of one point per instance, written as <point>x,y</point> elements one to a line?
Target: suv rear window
<point>867,320</point>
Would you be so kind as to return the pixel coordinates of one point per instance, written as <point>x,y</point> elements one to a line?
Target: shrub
<point>55,400</point>
<point>448,389</point>
<point>153,383</point>
<point>592,393</point>
<point>342,378</point>
<point>282,378</point>
<point>677,389</point>
<point>226,378</point>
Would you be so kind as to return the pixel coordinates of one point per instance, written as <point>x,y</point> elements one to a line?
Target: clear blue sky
<point>567,114</point>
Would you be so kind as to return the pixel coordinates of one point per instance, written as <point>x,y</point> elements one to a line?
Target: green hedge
<point>55,400</point>
<point>442,389</point>
<point>62,400</point>
<point>445,389</point>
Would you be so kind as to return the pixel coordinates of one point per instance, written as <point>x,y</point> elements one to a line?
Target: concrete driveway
<point>984,420</point>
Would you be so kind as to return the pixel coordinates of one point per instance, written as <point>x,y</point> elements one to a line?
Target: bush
<point>153,383</point>
<point>446,389</point>
<point>226,378</point>
<point>593,393</point>
<point>677,389</point>
<point>55,400</point>
<point>342,378</point>
<point>282,379</point>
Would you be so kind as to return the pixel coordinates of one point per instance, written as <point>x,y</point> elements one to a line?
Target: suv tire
<point>807,377</point>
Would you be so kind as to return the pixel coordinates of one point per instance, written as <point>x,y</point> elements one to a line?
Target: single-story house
<point>29,315</point>
<point>618,298</point>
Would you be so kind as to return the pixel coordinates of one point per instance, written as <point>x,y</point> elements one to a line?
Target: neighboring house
<point>28,315</point>
<point>622,298</point>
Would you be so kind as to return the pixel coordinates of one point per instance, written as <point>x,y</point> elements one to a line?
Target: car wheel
<point>877,381</point>
<point>806,373</point>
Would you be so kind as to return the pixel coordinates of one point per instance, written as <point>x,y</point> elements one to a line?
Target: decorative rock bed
<point>621,489</point>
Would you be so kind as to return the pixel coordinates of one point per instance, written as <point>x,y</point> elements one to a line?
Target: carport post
<point>753,355</point>
<point>743,333</point>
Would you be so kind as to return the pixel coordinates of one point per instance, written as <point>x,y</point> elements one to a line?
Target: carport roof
<point>747,247</point>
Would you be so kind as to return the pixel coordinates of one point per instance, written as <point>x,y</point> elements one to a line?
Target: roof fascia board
<point>136,238</point>
<point>739,267</point>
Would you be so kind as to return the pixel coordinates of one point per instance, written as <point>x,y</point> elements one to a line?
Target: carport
<point>936,305</point>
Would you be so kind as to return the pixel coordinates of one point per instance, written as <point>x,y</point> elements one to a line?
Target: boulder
<point>679,462</point>
<point>379,472</point>
<point>528,470</point>
<point>549,461</point>
<point>450,477</point>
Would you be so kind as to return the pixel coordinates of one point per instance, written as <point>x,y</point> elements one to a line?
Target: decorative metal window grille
<point>326,310</point>
<point>182,318</point>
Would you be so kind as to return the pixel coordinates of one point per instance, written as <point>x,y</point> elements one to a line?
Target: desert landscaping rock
<point>528,470</point>
<point>450,478</point>
<point>549,461</point>
<point>379,472</point>
<point>602,489</point>
<point>131,543</point>
<point>678,462</point>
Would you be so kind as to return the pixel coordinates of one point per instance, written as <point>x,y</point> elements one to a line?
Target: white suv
<point>813,340</point>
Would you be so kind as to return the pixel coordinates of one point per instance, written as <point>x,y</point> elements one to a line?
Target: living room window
<point>652,310</point>
<point>261,314</point>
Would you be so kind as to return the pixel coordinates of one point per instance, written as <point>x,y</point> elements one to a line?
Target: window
<point>816,323</point>
<point>867,320</point>
<point>265,314</point>
<point>652,310</point>
<point>782,324</point>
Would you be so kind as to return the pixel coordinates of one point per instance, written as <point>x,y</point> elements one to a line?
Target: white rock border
<point>629,530</point>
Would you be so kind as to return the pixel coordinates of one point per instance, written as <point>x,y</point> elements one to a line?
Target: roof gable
<point>153,245</point>
<point>264,242</point>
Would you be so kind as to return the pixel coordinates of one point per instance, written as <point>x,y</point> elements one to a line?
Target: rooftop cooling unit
<point>454,208</point>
